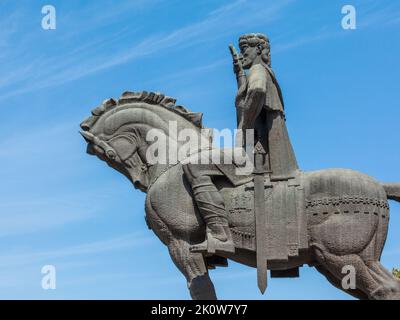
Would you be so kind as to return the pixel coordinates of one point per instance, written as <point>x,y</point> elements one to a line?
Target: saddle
<point>284,207</point>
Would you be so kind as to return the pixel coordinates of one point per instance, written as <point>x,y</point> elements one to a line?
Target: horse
<point>346,212</point>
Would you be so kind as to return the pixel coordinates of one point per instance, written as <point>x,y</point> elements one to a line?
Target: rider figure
<point>259,106</point>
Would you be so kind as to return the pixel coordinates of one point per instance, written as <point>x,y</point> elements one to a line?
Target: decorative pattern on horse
<point>286,220</point>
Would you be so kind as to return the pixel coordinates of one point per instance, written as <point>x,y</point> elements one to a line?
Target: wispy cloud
<point>303,40</point>
<point>228,7</point>
<point>122,242</point>
<point>26,217</point>
<point>35,141</point>
<point>378,15</point>
<point>87,58</point>
<point>66,68</point>
<point>29,204</point>
<point>142,279</point>
<point>370,15</point>
<point>190,72</point>
<point>21,269</point>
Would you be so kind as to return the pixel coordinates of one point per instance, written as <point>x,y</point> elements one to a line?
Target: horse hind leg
<point>336,282</point>
<point>193,267</point>
<point>368,284</point>
<point>389,288</point>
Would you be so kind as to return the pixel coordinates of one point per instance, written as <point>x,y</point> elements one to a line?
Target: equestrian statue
<point>273,216</point>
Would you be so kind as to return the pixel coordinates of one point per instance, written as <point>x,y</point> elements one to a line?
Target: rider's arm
<point>256,93</point>
<point>241,79</point>
<point>238,68</point>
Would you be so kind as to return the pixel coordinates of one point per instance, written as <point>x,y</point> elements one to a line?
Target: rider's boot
<point>212,209</point>
<point>218,240</point>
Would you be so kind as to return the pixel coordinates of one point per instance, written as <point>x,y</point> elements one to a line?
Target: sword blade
<point>261,235</point>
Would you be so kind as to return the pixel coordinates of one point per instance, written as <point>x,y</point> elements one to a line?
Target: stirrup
<point>212,246</point>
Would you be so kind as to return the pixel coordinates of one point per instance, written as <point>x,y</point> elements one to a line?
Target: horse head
<point>119,132</point>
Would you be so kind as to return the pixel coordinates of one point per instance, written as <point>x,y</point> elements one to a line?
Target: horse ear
<point>124,146</point>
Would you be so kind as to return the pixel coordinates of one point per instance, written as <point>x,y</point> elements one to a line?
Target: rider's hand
<point>237,63</point>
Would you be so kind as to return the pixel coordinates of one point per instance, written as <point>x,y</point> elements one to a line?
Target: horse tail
<point>392,191</point>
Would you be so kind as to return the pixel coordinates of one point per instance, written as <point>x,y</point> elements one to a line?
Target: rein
<point>173,165</point>
<point>160,174</point>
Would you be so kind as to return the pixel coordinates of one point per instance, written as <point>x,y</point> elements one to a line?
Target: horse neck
<point>153,168</point>
<point>173,142</point>
<point>167,132</point>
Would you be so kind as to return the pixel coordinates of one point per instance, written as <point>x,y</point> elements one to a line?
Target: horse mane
<point>154,98</point>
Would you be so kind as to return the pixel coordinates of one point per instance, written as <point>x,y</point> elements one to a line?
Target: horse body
<point>345,213</point>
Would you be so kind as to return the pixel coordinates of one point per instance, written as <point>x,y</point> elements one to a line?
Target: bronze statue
<point>277,218</point>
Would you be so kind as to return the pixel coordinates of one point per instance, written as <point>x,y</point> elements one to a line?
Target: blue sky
<point>62,207</point>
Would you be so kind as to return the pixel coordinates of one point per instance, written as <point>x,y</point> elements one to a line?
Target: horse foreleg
<point>194,269</point>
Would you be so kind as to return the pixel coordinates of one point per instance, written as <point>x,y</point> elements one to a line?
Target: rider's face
<point>250,55</point>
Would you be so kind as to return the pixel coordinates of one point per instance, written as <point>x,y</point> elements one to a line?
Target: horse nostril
<point>90,149</point>
<point>84,126</point>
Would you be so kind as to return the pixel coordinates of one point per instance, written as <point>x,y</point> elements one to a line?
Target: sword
<point>261,218</point>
